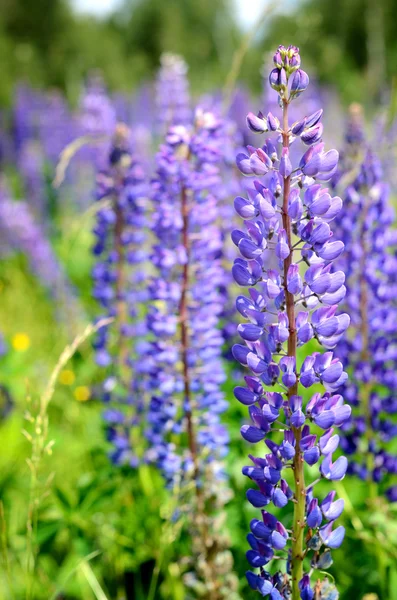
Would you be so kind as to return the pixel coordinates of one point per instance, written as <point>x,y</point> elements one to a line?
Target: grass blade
<point>92,581</point>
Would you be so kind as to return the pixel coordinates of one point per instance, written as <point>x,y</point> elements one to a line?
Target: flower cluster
<point>97,119</point>
<point>369,352</point>
<point>172,92</point>
<point>287,252</point>
<point>20,233</point>
<point>57,127</point>
<point>119,288</point>
<point>184,362</point>
<point>28,104</point>
<point>186,302</point>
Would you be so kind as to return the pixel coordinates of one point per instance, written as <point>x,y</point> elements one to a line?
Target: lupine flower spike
<point>119,288</point>
<point>287,214</point>
<point>172,92</point>
<point>370,263</point>
<point>184,362</point>
<point>20,232</point>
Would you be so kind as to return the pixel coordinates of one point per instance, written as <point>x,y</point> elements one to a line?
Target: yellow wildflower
<point>82,393</point>
<point>20,342</point>
<point>67,377</point>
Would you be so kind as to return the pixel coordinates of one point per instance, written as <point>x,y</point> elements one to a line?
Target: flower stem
<point>299,479</point>
<point>183,315</point>
<point>121,305</point>
<point>298,520</point>
<point>199,517</point>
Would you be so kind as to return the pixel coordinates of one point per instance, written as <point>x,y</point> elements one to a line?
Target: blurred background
<point>95,530</point>
<point>352,45</point>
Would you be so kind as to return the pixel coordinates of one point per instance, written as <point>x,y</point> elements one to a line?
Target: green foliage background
<point>352,44</point>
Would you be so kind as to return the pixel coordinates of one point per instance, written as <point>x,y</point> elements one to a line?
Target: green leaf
<point>63,498</point>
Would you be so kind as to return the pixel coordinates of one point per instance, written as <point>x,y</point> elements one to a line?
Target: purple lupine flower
<point>21,233</point>
<point>172,92</point>
<point>141,123</point>
<point>185,211</point>
<point>370,263</point>
<point>310,103</point>
<point>28,105</point>
<point>122,107</point>
<point>119,287</point>
<point>31,167</point>
<point>97,118</point>
<point>3,345</point>
<point>184,358</point>
<point>56,127</point>
<point>227,218</point>
<point>287,214</point>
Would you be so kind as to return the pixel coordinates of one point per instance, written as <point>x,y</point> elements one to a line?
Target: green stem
<point>298,526</point>
<point>155,576</point>
<point>200,518</point>
<point>184,333</point>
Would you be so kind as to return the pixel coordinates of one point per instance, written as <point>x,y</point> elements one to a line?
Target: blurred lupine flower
<point>119,287</point>
<point>183,359</point>
<point>28,105</point>
<point>384,132</point>
<point>237,111</point>
<point>370,263</point>
<point>142,118</point>
<point>20,233</point>
<point>56,127</point>
<point>31,166</point>
<point>97,118</point>
<point>122,107</point>
<point>227,219</point>
<point>172,92</point>
<point>288,213</point>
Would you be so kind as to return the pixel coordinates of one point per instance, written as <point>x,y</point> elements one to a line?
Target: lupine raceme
<point>287,252</point>
<point>119,288</point>
<point>184,364</point>
<point>172,92</point>
<point>21,233</point>
<point>369,351</point>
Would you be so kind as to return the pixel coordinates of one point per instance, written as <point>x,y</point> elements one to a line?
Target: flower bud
<point>294,62</point>
<point>274,79</point>
<point>277,60</point>
<point>299,82</point>
<point>278,80</point>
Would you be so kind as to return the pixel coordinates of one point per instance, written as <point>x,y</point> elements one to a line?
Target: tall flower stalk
<point>187,439</point>
<point>120,233</point>
<point>96,118</point>
<point>172,92</point>
<point>21,233</point>
<point>370,262</point>
<point>287,307</point>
